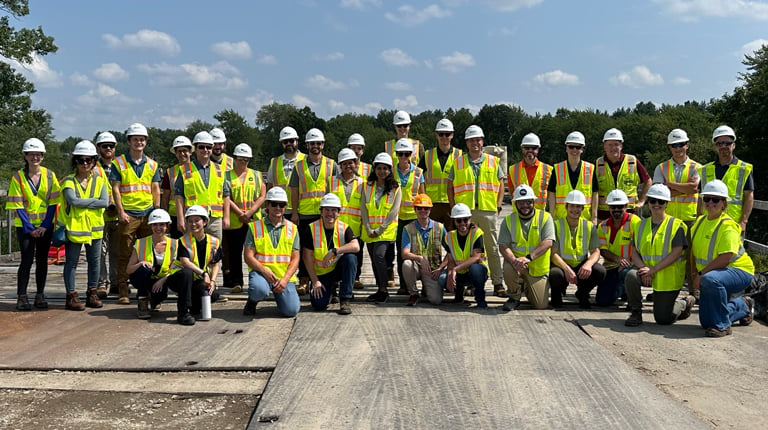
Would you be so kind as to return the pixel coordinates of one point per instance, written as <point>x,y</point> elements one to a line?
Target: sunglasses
<point>315,143</point>
<point>678,145</point>
<point>656,202</point>
<point>402,125</point>
<point>708,199</point>
<point>461,220</point>
<point>422,208</point>
<point>724,143</point>
<point>573,146</point>
<point>107,146</point>
<point>403,154</point>
<point>277,204</point>
<point>530,148</point>
<point>85,160</point>
<point>204,147</point>
<point>289,141</point>
<point>445,134</point>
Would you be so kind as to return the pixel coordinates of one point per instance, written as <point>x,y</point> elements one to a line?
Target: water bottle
<point>206,307</point>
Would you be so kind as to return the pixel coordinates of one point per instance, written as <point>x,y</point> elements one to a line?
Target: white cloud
<point>511,5</point>
<point>337,106</point>
<point>397,86</point>
<point>408,101</point>
<point>220,75</point>
<point>408,16</point>
<point>371,108</point>
<point>322,83</point>
<point>333,56</point>
<point>301,101</point>
<point>103,95</point>
<point>232,50</point>
<point>557,78</point>
<point>111,72</point>
<point>359,4</point>
<point>259,98</point>
<point>749,48</point>
<point>177,121</point>
<point>267,59</point>
<point>457,61</point>
<point>194,101</point>
<point>639,76</point>
<point>397,57</point>
<point>38,71</point>
<point>144,39</point>
<point>79,80</point>
<point>474,109</point>
<point>693,10</point>
<point>681,81</point>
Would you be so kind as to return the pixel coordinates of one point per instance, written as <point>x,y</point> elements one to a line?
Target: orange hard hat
<point>422,200</point>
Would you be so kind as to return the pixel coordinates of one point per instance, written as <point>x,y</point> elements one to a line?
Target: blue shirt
<point>404,177</point>
<point>405,242</point>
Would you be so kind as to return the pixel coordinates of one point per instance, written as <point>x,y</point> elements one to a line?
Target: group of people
<point>432,214</point>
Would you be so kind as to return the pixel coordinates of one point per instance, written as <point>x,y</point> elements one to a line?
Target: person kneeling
<point>422,253</point>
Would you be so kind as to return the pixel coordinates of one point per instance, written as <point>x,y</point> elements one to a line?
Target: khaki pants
<point>136,228</point>
<point>412,273</point>
<point>214,227</point>
<point>536,288</point>
<point>486,221</point>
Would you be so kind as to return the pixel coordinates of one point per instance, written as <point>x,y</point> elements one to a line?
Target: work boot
<point>302,288</point>
<point>689,301</point>
<point>402,291</point>
<point>236,289</point>
<point>635,319</point>
<point>124,293</point>
<point>345,308</point>
<point>470,291</point>
<point>143,313</point>
<point>186,319</point>
<point>499,290</point>
<point>92,299</point>
<point>391,277</point>
<point>73,302</point>
<point>22,303</point>
<point>413,299</point>
<point>101,291</point>
<point>510,305</point>
<point>747,320</point>
<point>358,285</point>
<point>378,297</point>
<point>250,308</point>
<point>40,301</point>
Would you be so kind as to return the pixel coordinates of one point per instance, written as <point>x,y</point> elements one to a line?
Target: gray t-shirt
<point>677,173</point>
<point>546,231</point>
<point>288,165</point>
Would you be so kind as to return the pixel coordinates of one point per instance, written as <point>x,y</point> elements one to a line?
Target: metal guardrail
<point>750,244</point>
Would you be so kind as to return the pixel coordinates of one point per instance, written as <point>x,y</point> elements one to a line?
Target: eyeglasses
<point>107,146</point>
<point>315,143</point>
<point>242,159</point>
<point>708,199</point>
<point>402,125</point>
<point>204,147</point>
<point>403,154</point>
<point>277,204</point>
<point>678,145</point>
<point>445,134</point>
<point>461,220</point>
<point>289,141</point>
<point>530,148</point>
<point>724,143</point>
<point>524,202</point>
<point>656,202</point>
<point>85,161</point>
<point>422,208</point>
<point>573,146</point>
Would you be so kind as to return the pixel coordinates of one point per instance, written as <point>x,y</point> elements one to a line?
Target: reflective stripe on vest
<point>377,213</point>
<point>435,177</point>
<point>363,170</point>
<point>682,206</point>
<point>275,258</point>
<point>621,242</point>
<point>319,241</point>
<point>350,206</point>
<point>461,255</point>
<point>522,246</point>
<point>190,243</point>
<point>409,191</point>
<point>146,252</point>
<point>487,183</point>
<point>627,181</point>
<point>735,179</point>
<point>653,249</point>
<point>83,225</point>
<point>20,196</point>
<point>211,197</point>
<point>569,254</point>
<point>244,194</point>
<point>135,192</point>
<point>433,248</point>
<point>518,176</point>
<point>563,187</point>
<point>703,262</point>
<point>173,173</point>
<point>312,190</point>
<point>281,179</point>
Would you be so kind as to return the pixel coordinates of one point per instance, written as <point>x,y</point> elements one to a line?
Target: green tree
<point>273,117</point>
<point>238,131</point>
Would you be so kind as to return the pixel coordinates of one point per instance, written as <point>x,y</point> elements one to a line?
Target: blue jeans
<point>344,273</point>
<point>716,309</point>
<point>287,302</point>
<point>612,287</point>
<point>476,277</point>
<point>92,255</point>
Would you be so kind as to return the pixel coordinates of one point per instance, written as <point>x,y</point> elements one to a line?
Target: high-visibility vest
<point>628,179</point>
<point>683,206</point>
<point>409,191</point>
<point>735,178</point>
<point>189,242</point>
<point>83,225</point>
<point>146,252</point>
<point>432,249</point>
<point>226,162</point>
<point>350,206</point>
<point>570,253</point>
<point>363,170</point>
<point>275,258</point>
<point>621,243</point>
<point>460,254</point>
<point>281,179</point>
<point>520,246</point>
<point>312,190</point>
<point>243,193</point>
<point>436,177</point>
<point>377,213</point>
<point>487,182</point>
<point>135,192</point>
<point>389,148</point>
<point>20,196</point>
<point>518,176</point>
<point>321,246</point>
<point>564,187</point>
<point>210,197</point>
<point>705,235</point>
<point>98,169</point>
<point>173,173</point>
<point>655,247</point>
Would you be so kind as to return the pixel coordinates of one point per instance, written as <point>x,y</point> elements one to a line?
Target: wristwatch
<point>335,252</point>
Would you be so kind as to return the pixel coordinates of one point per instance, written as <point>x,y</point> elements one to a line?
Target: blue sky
<point>166,63</point>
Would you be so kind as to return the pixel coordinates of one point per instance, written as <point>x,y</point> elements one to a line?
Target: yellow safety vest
<point>683,206</point>
<point>735,178</point>
<point>518,176</point>
<point>173,173</point>
<point>564,187</point>
<point>281,179</point>
<point>20,196</point>
<point>487,183</point>
<point>226,161</point>
<point>573,254</point>
<point>275,258</point>
<point>522,246</point>
<point>363,170</point>
<point>145,251</point>
<point>627,181</point>
<point>83,225</point>
<point>189,242</point>
<point>350,206</point>
<point>312,190</point>
<point>196,193</point>
<point>460,254</point>
<point>436,177</point>
<point>409,191</point>
<point>377,213</point>
<point>243,194</point>
<point>432,249</point>
<point>135,192</point>
<point>389,148</point>
<point>621,243</point>
<point>99,170</point>
<point>655,247</point>
<point>705,235</point>
<point>321,246</point>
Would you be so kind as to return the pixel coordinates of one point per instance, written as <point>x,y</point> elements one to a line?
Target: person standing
<point>348,186</point>
<point>182,148</point>
<point>619,171</point>
<point>437,163</point>
<point>530,171</point>
<point>33,195</point>
<point>680,174</point>
<point>423,254</point>
<point>466,257</point>
<point>411,183</point>
<point>402,123</point>
<point>219,151</point>
<point>616,235</point>
<point>572,174</point>
<point>135,180</point>
<point>282,166</point>
<point>105,145</point>
<point>356,143</point>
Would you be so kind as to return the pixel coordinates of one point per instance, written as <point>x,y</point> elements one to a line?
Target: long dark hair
<point>389,182</point>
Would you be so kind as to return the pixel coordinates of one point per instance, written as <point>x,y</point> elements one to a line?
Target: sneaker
<point>510,305</point>
<point>689,301</point>
<point>378,297</point>
<point>22,303</point>
<point>402,291</point>
<point>713,332</point>
<point>92,299</point>
<point>345,308</point>
<point>250,308</point>
<point>358,285</point>
<point>236,289</point>
<point>499,291</point>
<point>635,319</point>
<point>101,291</point>
<point>747,320</point>
<point>469,292</point>
<point>696,295</point>
<point>143,312</point>
<point>40,301</point>
<point>186,319</point>
<point>412,300</point>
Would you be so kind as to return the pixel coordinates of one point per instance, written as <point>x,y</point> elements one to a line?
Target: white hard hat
<point>203,137</point>
<point>85,147</point>
<point>401,117</point>
<point>314,135</point>
<point>677,136</point>
<point>330,200</point>
<point>576,137</point>
<point>33,144</point>
<point>356,139</point>
<point>196,210</point>
<point>136,129</point>
<point>276,194</point>
<point>617,197</point>
<point>531,139</point>
<point>613,134</point>
<point>523,192</point>
<point>715,188</point>
<point>723,130</point>
<point>180,141</point>
<point>444,125</point>
<point>403,145</point>
<point>659,191</point>
<point>473,131</point>
<point>288,133</point>
<point>460,210</point>
<point>242,150</point>
<point>575,197</point>
<point>105,137</point>
<point>159,216</point>
<point>383,158</point>
<point>218,135</point>
<point>346,154</point>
